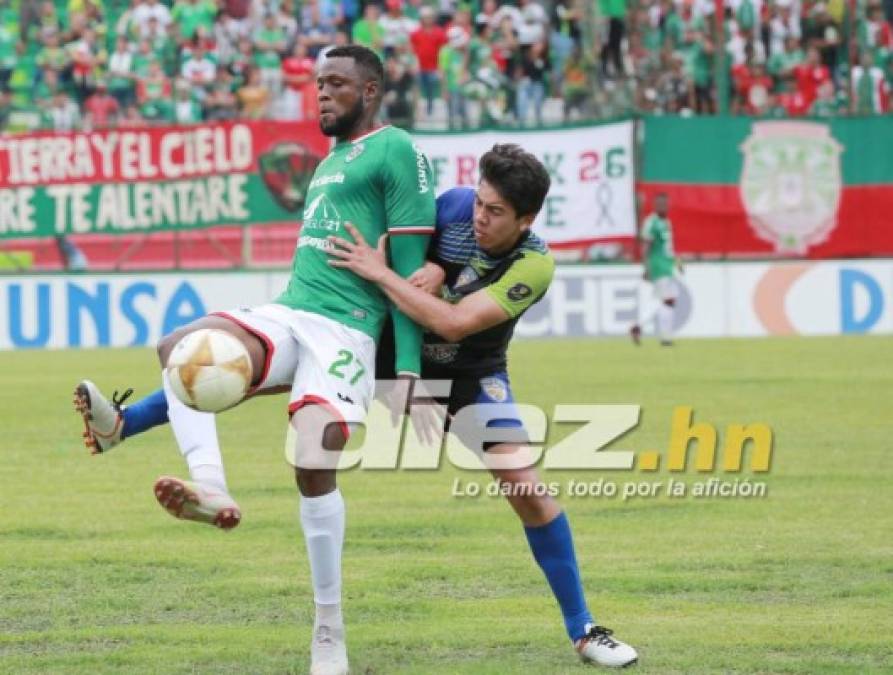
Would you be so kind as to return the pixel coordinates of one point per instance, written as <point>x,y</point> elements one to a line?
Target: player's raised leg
<point>206,497</point>
<point>103,419</point>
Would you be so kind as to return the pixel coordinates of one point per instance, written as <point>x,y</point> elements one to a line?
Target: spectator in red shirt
<point>101,108</point>
<point>754,88</point>
<point>426,43</point>
<point>809,76</point>
<point>300,85</point>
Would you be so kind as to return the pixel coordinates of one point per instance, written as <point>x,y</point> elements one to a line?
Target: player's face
<point>661,205</point>
<point>496,226</point>
<point>342,95</point>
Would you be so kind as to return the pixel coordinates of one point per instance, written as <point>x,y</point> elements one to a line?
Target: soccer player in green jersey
<point>318,338</point>
<point>660,265</point>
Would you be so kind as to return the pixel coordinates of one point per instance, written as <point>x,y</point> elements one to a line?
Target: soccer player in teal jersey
<point>660,265</point>
<point>376,177</point>
<point>494,269</point>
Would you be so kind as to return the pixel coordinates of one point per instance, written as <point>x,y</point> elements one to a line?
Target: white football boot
<point>598,647</point>
<point>194,501</point>
<point>103,420</point>
<point>328,651</point>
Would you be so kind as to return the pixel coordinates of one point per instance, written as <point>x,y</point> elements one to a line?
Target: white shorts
<point>665,288</point>
<point>324,362</point>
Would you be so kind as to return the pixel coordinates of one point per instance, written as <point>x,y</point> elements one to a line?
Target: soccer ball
<point>209,370</point>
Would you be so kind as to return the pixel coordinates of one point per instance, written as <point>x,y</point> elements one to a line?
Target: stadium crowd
<point>70,64</point>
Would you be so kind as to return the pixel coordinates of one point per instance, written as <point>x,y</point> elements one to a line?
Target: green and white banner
<point>591,200</point>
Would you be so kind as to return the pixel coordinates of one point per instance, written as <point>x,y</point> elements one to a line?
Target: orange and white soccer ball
<point>209,370</point>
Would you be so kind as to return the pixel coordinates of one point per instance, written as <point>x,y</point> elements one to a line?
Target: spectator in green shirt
<point>47,87</point>
<point>826,103</point>
<point>702,75</point>
<point>368,32</point>
<point>269,43</point>
<point>48,24</point>
<point>121,81</point>
<point>577,88</point>
<point>453,66</point>
<point>781,65</point>
<point>185,108</point>
<point>143,58</point>
<point>53,55</point>
<point>190,14</point>
<point>170,51</point>
<point>8,40</point>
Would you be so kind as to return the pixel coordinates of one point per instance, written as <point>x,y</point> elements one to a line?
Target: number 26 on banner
<point>614,164</point>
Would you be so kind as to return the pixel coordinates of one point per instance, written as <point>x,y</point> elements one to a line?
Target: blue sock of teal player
<point>146,413</point>
<point>553,549</point>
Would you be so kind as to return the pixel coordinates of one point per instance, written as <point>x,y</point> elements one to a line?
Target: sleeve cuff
<point>421,229</point>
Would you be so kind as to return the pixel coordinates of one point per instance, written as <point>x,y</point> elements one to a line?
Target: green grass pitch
<point>96,578</point>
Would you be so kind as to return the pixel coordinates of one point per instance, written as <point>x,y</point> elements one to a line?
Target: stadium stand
<point>78,65</point>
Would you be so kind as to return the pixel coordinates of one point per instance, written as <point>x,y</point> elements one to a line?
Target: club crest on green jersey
<point>355,152</point>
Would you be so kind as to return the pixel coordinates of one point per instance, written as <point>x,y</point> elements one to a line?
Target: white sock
<point>196,434</point>
<point>322,519</point>
<point>665,322</point>
<point>328,615</point>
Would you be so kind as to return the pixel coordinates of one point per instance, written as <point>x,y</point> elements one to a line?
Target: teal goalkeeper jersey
<point>381,183</point>
<point>661,259</point>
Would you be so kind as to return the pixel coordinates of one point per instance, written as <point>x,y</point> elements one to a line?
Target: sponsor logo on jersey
<point>495,389</point>
<point>355,152</point>
<point>327,180</point>
<point>440,353</point>
<point>315,242</point>
<point>422,166</point>
<point>358,314</point>
<point>322,214</point>
<point>519,292</point>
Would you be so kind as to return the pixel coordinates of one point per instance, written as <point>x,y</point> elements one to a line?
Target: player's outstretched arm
<point>429,277</point>
<point>472,314</point>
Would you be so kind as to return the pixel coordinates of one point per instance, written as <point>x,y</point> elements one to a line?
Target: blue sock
<point>146,413</point>
<point>553,548</point>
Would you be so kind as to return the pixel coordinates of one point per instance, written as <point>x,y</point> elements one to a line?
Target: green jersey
<point>452,66</point>
<point>265,58</point>
<point>661,259</point>
<point>381,183</point>
<point>192,16</point>
<point>8,41</point>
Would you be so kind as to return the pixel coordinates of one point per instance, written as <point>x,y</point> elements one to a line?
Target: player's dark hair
<point>367,61</point>
<point>519,177</point>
